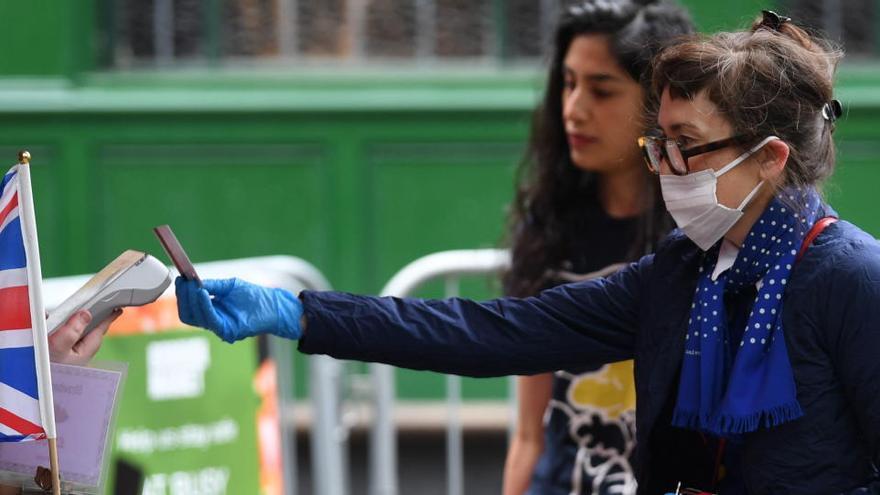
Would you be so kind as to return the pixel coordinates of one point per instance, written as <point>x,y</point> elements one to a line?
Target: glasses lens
<point>653,154</point>
<point>676,160</point>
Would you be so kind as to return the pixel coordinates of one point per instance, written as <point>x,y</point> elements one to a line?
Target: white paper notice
<point>176,368</point>
<point>84,402</point>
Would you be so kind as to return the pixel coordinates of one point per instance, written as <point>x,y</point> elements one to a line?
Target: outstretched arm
<point>586,323</point>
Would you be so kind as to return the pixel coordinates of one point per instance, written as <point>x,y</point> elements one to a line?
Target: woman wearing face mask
<point>754,332</point>
<point>585,204</point>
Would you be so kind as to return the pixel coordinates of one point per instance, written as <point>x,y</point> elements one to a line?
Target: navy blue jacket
<point>831,316</point>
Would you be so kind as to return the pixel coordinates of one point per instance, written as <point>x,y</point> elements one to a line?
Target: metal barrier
<point>450,266</point>
<point>329,444</point>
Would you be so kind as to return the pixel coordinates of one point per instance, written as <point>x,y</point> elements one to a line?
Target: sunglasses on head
<point>657,149</point>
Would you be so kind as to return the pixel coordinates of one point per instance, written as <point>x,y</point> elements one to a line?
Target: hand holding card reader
<point>132,279</point>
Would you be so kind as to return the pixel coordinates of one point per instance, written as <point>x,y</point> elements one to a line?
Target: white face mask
<point>692,201</point>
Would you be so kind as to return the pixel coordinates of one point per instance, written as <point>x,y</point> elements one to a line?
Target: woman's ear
<point>773,160</point>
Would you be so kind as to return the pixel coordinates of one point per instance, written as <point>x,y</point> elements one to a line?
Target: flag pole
<point>38,313</point>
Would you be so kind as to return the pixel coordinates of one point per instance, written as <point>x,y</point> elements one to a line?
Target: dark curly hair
<point>550,187</point>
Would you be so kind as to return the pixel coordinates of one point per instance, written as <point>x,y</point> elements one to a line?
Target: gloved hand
<point>238,309</point>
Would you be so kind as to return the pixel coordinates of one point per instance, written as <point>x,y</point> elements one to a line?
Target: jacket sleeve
<point>579,324</point>
<point>854,341</point>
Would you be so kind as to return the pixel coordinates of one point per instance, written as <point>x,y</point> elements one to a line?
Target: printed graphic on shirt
<point>600,406</point>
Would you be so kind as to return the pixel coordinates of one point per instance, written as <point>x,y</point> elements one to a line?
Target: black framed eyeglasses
<point>656,149</point>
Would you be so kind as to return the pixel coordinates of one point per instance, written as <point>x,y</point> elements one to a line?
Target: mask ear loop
<point>744,156</point>
<point>739,160</point>
<point>751,195</point>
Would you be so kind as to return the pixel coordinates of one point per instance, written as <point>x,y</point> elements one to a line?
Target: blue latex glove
<point>238,309</point>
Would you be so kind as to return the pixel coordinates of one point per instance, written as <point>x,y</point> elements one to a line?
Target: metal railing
<point>450,266</point>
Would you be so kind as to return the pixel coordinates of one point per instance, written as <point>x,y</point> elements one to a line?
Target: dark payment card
<point>176,253</point>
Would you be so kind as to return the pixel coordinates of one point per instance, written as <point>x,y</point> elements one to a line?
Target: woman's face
<point>601,108</point>
<point>696,122</point>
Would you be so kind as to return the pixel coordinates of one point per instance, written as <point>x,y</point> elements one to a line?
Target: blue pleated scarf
<point>756,389</point>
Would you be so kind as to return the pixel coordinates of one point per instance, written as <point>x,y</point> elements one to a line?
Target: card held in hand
<point>176,253</point>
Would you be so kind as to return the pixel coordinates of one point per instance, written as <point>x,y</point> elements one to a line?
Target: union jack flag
<point>20,417</point>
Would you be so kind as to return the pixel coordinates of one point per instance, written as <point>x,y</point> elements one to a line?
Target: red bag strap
<point>814,232</point>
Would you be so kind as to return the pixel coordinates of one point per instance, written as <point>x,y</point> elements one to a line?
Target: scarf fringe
<point>727,424</point>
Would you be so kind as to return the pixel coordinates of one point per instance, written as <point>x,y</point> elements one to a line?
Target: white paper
<point>85,399</point>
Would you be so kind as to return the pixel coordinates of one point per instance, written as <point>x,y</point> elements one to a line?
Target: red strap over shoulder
<point>814,232</point>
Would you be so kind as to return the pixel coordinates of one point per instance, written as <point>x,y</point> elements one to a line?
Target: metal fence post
<point>454,441</point>
<point>327,433</point>
<point>279,350</point>
<point>383,446</point>
<point>383,437</point>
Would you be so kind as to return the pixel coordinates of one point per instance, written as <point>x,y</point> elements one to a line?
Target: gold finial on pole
<point>24,156</point>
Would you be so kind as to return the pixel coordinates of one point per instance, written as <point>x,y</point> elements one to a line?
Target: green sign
<point>188,416</point>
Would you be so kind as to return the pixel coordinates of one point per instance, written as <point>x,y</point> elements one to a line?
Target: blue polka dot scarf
<point>757,388</point>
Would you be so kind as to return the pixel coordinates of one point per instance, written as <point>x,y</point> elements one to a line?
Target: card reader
<point>132,279</point>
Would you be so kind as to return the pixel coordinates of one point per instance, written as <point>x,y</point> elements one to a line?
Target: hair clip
<point>591,7</point>
<point>773,20</point>
<point>832,110</point>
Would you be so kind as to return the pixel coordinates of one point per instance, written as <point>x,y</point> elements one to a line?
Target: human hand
<point>68,345</point>
<point>238,309</point>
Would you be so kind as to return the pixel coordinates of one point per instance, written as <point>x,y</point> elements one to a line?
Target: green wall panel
<point>222,199</point>
<point>428,197</point>
<point>853,190</point>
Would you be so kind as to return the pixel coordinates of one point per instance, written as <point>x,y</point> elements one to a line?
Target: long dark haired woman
<point>585,203</point>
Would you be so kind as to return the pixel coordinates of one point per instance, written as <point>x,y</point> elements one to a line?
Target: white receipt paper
<point>84,404</point>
